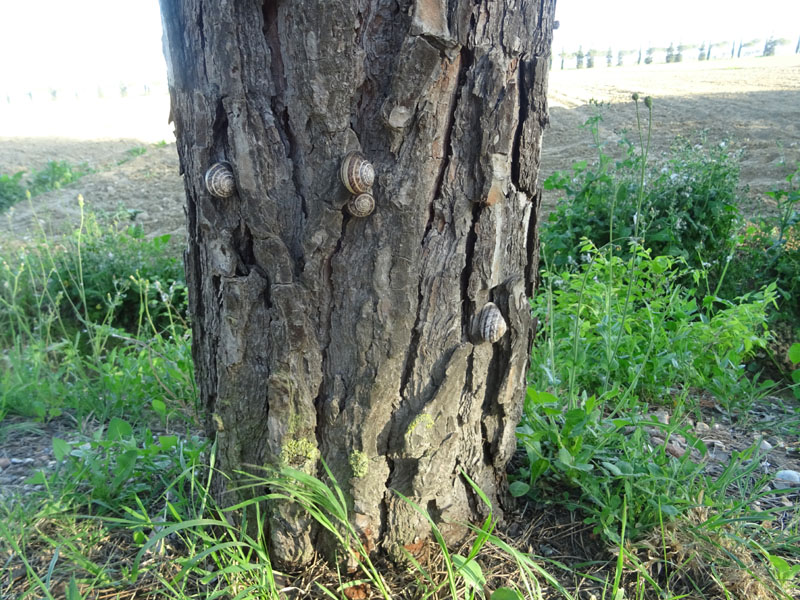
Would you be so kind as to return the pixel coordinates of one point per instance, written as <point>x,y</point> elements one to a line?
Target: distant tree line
<point>672,54</point>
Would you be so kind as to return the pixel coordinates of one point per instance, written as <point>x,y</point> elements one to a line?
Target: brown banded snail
<point>357,173</point>
<point>491,325</point>
<point>361,205</point>
<point>219,180</point>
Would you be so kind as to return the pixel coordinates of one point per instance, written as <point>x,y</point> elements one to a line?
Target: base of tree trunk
<point>367,341</point>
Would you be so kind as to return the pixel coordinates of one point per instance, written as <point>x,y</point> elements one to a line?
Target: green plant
<point>102,275</point>
<point>56,174</point>
<point>687,203</point>
<point>635,327</point>
<point>768,250</point>
<point>60,348</point>
<point>117,464</point>
<point>136,151</point>
<point>794,357</point>
<point>11,189</point>
<point>624,326</point>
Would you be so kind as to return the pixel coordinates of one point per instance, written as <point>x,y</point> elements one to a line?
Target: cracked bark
<point>354,334</point>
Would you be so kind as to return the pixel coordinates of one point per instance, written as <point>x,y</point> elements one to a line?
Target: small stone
<point>701,428</point>
<point>4,462</point>
<point>17,461</point>
<point>765,446</point>
<point>786,477</point>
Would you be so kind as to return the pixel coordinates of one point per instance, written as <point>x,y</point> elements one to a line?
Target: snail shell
<point>361,205</point>
<point>357,173</point>
<point>220,181</point>
<point>491,324</point>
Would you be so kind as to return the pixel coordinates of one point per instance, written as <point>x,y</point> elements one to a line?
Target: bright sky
<point>79,43</point>
<point>76,44</point>
<point>628,24</point>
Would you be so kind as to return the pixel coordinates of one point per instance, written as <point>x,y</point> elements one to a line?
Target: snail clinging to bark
<point>358,175</point>
<point>219,180</point>
<point>361,205</point>
<point>489,324</point>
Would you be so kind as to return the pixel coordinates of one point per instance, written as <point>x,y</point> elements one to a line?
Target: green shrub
<point>11,189</point>
<point>53,176</point>
<point>769,249</point>
<point>634,326</point>
<point>109,275</point>
<point>618,335</point>
<point>62,312</point>
<point>56,174</point>
<point>689,204</point>
<point>119,276</point>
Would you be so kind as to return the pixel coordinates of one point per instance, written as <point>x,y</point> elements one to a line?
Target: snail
<point>491,325</point>
<point>357,173</point>
<point>219,180</point>
<point>361,205</point>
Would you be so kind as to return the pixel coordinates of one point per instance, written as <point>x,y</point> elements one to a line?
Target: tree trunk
<point>318,334</point>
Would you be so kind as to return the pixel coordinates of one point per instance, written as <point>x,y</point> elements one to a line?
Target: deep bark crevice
<point>271,34</point>
<point>201,29</point>
<point>524,101</point>
<point>466,303</point>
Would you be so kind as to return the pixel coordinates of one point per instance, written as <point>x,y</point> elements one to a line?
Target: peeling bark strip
<point>317,334</point>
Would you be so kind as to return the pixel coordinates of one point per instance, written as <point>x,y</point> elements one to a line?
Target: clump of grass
<point>12,190</point>
<point>93,325</point>
<point>56,174</point>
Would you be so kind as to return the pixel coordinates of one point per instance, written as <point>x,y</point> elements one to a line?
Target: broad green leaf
<point>60,449</point>
<point>159,407</point>
<point>565,457</point>
<point>167,441</point>
<point>518,488</point>
<point>541,397</point>
<point>125,464</point>
<point>119,429</point>
<point>37,478</point>
<point>670,510</point>
<point>794,353</point>
<point>470,571</point>
<point>505,593</point>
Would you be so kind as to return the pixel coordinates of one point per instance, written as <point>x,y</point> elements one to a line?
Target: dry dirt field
<point>751,104</point>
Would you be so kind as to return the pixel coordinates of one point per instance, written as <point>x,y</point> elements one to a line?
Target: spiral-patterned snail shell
<point>219,180</point>
<point>491,325</point>
<point>357,173</point>
<point>361,205</point>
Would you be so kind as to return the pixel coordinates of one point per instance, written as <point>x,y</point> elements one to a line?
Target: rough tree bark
<point>318,334</point>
